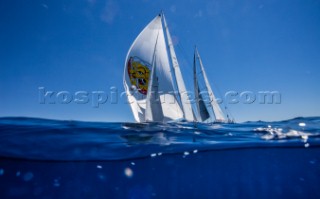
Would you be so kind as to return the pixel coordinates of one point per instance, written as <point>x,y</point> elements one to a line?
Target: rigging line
<point>174,79</point>
<point>225,107</point>
<point>186,67</point>
<point>227,111</point>
<point>155,48</point>
<point>181,37</point>
<point>183,52</point>
<point>185,70</point>
<point>184,55</point>
<point>185,98</point>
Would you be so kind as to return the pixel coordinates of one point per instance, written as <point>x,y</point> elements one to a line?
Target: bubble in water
<point>153,155</point>
<point>128,172</point>
<point>99,166</point>
<point>186,153</point>
<point>132,163</point>
<point>1,172</point>
<point>28,176</point>
<point>159,153</point>
<point>101,177</point>
<point>195,151</point>
<point>302,124</point>
<point>56,183</point>
<point>18,173</point>
<point>37,191</point>
<point>306,145</point>
<point>312,161</point>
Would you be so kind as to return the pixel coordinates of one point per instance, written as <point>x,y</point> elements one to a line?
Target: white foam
<point>277,133</point>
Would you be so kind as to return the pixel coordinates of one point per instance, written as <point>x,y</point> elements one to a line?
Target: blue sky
<point>80,45</point>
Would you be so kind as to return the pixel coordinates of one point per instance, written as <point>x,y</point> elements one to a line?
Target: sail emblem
<point>139,71</point>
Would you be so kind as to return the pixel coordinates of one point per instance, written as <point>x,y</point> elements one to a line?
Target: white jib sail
<point>138,66</point>
<point>216,108</point>
<point>153,111</point>
<point>202,109</point>
<point>186,104</point>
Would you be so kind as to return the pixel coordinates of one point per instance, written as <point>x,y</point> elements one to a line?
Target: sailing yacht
<point>206,103</point>
<point>154,84</point>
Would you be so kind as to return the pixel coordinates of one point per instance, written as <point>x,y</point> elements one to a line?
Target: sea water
<point>42,158</point>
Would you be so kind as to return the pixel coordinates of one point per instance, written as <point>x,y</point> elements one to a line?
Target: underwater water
<point>42,158</point>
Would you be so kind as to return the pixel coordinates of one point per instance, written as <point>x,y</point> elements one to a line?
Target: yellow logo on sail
<point>138,72</point>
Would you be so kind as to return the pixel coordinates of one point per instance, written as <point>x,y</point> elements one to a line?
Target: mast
<point>186,104</point>
<point>195,83</point>
<point>216,108</point>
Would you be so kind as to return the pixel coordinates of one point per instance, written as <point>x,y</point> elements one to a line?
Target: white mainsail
<point>138,68</point>
<point>153,111</point>
<point>202,107</point>
<point>186,104</point>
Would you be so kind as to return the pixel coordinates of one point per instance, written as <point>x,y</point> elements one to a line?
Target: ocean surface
<point>41,158</point>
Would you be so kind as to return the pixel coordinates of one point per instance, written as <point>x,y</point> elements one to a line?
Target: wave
<point>55,140</point>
